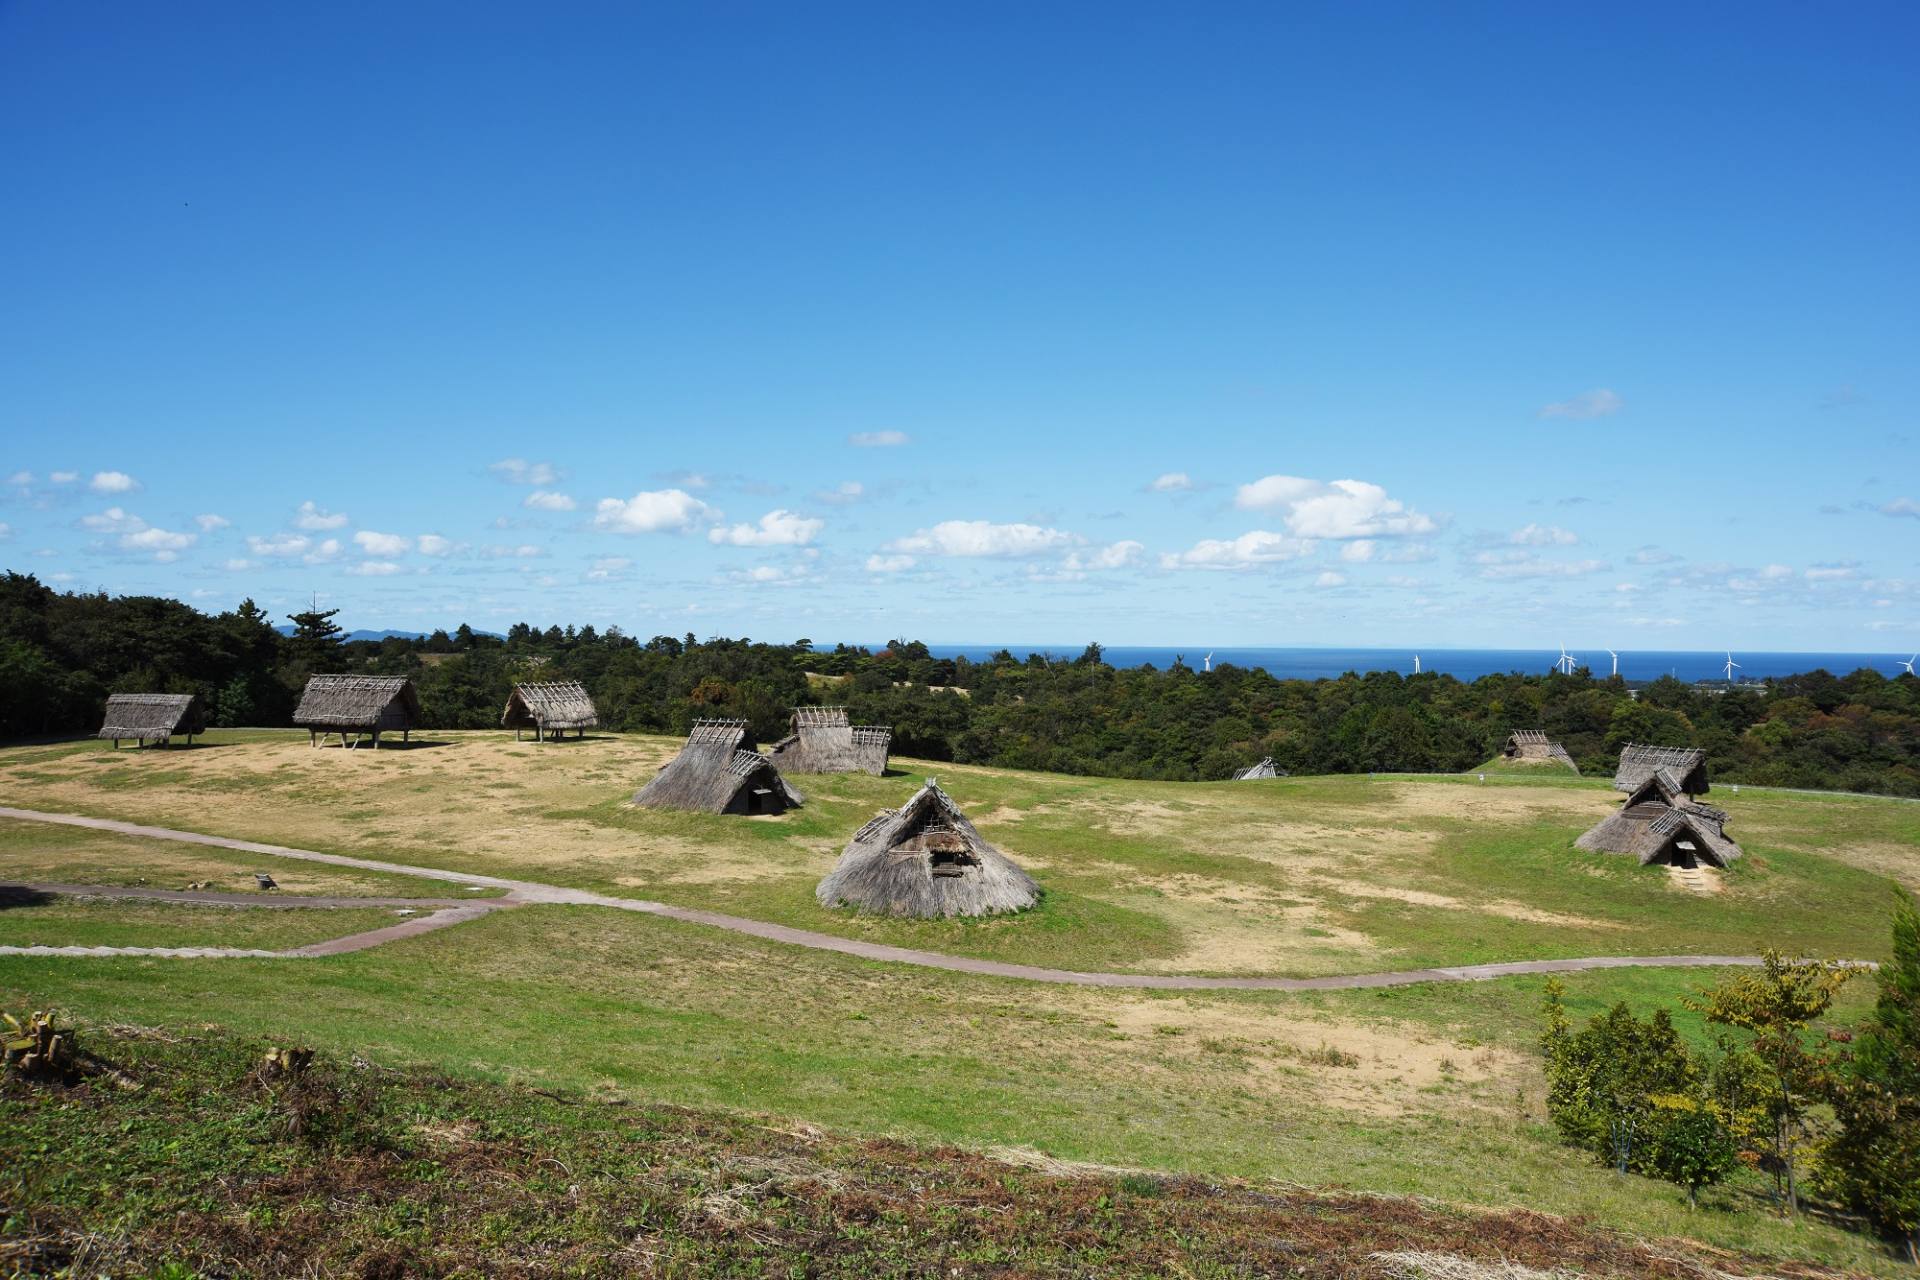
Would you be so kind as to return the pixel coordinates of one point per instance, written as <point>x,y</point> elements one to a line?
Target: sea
<point>1307,663</point>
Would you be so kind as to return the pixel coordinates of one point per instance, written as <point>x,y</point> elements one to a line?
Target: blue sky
<point>1389,324</point>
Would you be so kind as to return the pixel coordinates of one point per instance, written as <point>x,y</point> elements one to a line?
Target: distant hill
<point>352,636</point>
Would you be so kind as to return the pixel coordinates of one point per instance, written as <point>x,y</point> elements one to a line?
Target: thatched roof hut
<point>152,717</point>
<point>716,773</point>
<point>549,709</point>
<point>1688,765</point>
<point>1532,746</point>
<point>1658,823</point>
<point>925,859</point>
<point>1265,769</point>
<point>357,705</point>
<point>824,741</point>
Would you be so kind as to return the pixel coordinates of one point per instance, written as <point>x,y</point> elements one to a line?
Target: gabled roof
<point>358,702</point>
<point>1264,769</point>
<point>823,741</point>
<point>925,859</point>
<point>151,715</point>
<point>553,704</point>
<point>715,773</point>
<point>1688,765</point>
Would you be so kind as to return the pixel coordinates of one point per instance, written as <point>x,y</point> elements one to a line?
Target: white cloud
<point>657,511</point>
<point>374,569</point>
<point>1359,552</point>
<point>6,530</point>
<point>382,546</point>
<point>606,569</point>
<point>279,545</point>
<point>209,523</point>
<point>162,544</point>
<point>316,519</point>
<point>113,520</point>
<point>548,500</point>
<point>525,551</point>
<point>845,494</point>
<point>1777,571</point>
<point>1626,588</point>
<point>1652,555</point>
<point>112,482</point>
<point>1543,535</point>
<point>982,538</point>
<point>889,564</point>
<point>1901,507</point>
<point>20,478</point>
<point>63,477</point>
<point>766,575</point>
<point>520,471</point>
<point>1598,403</point>
<point>1830,573</point>
<point>1526,564</point>
<point>432,544</point>
<point>1244,552</point>
<point>1115,555</point>
<point>1172,482</point>
<point>237,565</point>
<point>1342,509</point>
<point>776,529</point>
<point>323,551</point>
<point>877,439</point>
<point>1330,578</point>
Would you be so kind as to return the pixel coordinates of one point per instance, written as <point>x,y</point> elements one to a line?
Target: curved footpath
<point>530,893</point>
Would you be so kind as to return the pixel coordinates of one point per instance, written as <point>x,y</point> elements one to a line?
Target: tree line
<point>1827,1113</point>
<point>61,653</point>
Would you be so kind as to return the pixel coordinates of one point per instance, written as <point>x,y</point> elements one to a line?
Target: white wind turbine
<point>1730,666</point>
<point>1616,661</point>
<point>1206,663</point>
<point>1908,664</point>
<point>1564,663</point>
<point>1416,664</point>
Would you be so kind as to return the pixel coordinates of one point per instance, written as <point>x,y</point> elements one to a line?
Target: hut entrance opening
<point>945,850</point>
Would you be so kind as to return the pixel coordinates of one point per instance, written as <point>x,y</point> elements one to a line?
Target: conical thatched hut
<point>1265,769</point>
<point>824,741</point>
<point>370,705</point>
<point>152,717</point>
<point>1658,823</point>
<point>1532,746</point>
<point>1688,765</point>
<point>925,859</point>
<point>550,709</point>
<point>716,773</point>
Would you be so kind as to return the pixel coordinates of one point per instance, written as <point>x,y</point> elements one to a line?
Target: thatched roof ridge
<point>823,741</point>
<point>1688,765</point>
<point>152,716</point>
<point>358,703</point>
<point>1534,744</point>
<point>1265,769</point>
<point>925,859</point>
<point>551,704</point>
<point>1656,819</point>
<point>715,773</point>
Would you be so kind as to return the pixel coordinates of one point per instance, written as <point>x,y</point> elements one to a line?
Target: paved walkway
<point>527,892</point>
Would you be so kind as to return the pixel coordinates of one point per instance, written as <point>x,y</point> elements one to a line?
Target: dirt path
<point>525,892</point>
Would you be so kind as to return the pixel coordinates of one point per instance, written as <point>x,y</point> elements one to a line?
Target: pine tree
<point>315,643</point>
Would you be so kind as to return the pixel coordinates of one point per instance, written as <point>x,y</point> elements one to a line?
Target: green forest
<point>61,654</point>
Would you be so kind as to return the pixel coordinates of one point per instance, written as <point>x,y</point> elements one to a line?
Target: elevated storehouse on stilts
<point>363,706</point>
<point>152,717</point>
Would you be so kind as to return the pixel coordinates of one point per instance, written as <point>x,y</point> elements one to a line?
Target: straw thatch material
<point>823,741</point>
<point>1533,746</point>
<point>1265,769</point>
<point>1657,823</point>
<point>358,705</point>
<point>925,859</point>
<point>1638,763</point>
<point>716,773</point>
<point>152,717</point>
<point>550,709</point>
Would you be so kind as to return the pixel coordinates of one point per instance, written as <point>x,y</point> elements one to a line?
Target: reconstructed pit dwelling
<point>1254,772</point>
<point>358,705</point>
<point>715,772</point>
<point>925,859</point>
<point>1532,746</point>
<point>825,741</point>
<point>1660,822</point>
<point>152,717</point>
<point>550,709</point>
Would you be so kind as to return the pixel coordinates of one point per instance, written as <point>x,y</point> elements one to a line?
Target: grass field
<point>1432,1090</point>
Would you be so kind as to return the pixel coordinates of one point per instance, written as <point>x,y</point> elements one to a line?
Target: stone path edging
<point>526,892</point>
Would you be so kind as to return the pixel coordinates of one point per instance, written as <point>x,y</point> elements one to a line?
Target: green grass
<point>70,922</point>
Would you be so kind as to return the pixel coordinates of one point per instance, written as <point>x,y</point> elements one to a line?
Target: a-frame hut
<point>1688,765</point>
<point>1659,823</point>
<point>550,708</point>
<point>925,859</point>
<point>716,773</point>
<point>1265,769</point>
<point>359,705</point>
<point>825,741</point>
<point>152,717</point>
<point>1533,746</point>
